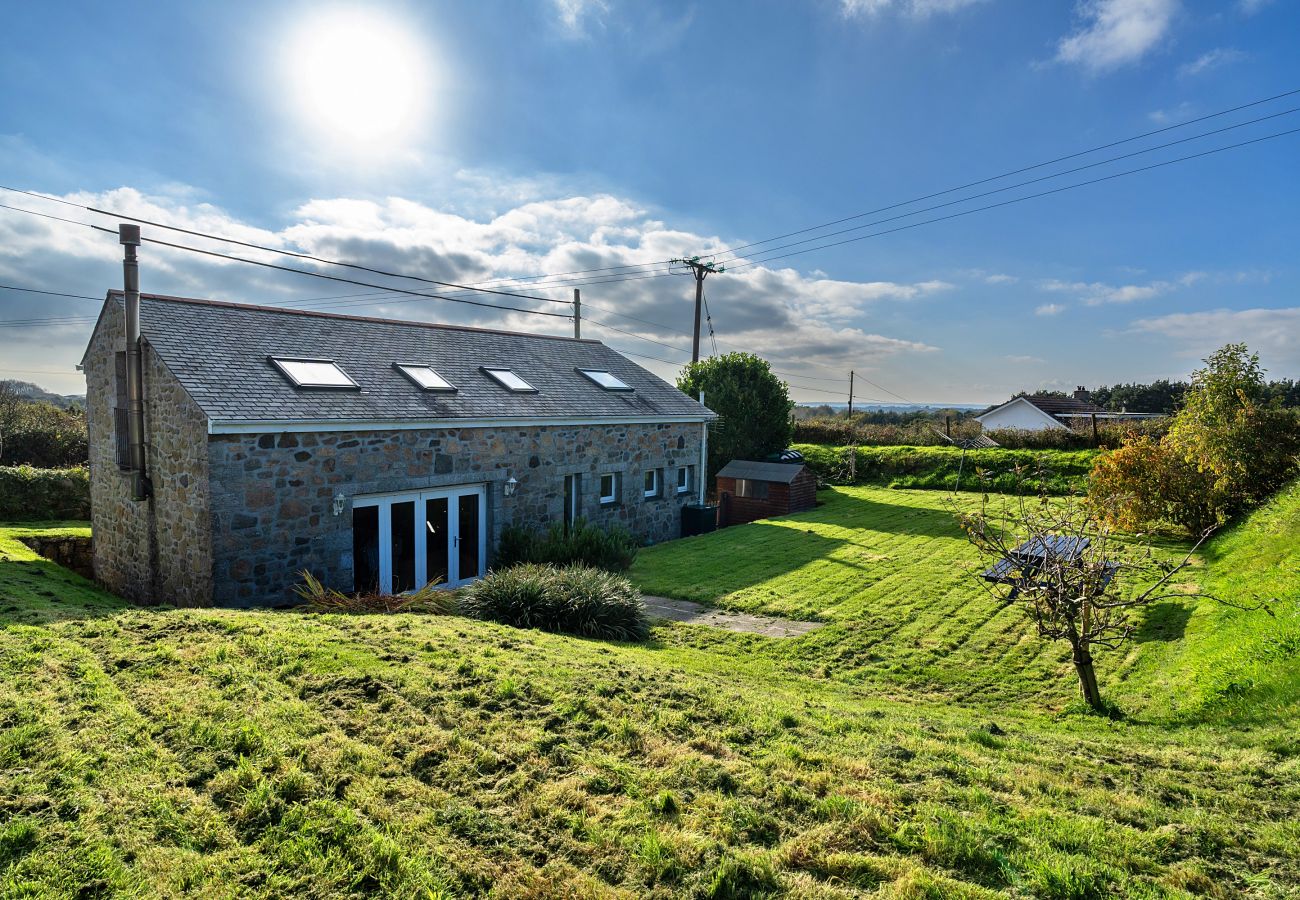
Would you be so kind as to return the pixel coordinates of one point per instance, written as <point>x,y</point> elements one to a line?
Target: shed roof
<point>750,470</point>
<point>220,353</point>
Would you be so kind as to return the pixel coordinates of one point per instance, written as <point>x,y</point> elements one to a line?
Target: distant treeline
<point>1166,396</point>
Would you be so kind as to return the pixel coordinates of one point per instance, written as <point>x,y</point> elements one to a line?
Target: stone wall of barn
<point>272,494</point>
<point>159,550</point>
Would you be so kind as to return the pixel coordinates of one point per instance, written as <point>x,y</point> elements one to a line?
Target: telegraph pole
<point>701,270</point>
<point>577,313</point>
<point>850,396</point>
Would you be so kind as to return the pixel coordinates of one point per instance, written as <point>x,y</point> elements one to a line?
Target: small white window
<point>652,483</point>
<point>606,380</point>
<point>609,488</point>
<point>312,373</point>
<point>426,377</point>
<point>683,479</point>
<point>509,380</point>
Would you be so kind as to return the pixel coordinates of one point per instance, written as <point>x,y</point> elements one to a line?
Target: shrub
<point>575,600</point>
<point>612,549</point>
<point>27,493</point>
<point>1145,482</point>
<point>928,433</point>
<point>42,435</point>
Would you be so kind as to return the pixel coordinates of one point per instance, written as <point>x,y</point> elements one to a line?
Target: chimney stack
<point>1081,394</point>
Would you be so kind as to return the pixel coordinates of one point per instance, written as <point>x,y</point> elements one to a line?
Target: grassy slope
<point>149,752</point>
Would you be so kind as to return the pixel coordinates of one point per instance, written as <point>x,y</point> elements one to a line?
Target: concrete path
<point>695,614</point>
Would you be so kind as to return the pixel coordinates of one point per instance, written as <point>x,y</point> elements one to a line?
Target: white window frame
<point>683,483</point>
<point>287,372</point>
<point>385,503</point>
<point>440,386</point>
<point>612,496</point>
<point>655,484</point>
<point>605,379</point>
<point>509,379</point>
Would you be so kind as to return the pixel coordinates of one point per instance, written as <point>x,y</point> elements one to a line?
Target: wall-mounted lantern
<point>339,502</point>
<point>511,485</point>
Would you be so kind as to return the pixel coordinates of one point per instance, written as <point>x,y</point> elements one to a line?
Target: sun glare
<point>360,78</point>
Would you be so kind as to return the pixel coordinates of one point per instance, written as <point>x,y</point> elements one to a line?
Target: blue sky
<point>480,141</point>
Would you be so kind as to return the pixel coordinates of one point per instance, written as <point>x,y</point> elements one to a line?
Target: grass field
<point>923,744</point>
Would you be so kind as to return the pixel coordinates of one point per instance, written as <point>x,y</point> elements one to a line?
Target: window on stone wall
<point>121,411</point>
<point>572,501</point>
<point>609,488</point>
<point>650,488</point>
<point>683,479</point>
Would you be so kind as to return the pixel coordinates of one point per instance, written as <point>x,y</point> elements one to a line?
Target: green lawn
<point>923,744</point>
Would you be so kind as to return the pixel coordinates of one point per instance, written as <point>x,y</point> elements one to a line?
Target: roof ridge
<point>259,307</point>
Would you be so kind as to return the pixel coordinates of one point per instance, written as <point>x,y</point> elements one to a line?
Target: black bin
<point>699,519</point>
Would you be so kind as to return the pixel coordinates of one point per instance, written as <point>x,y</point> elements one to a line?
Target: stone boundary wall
<point>75,553</point>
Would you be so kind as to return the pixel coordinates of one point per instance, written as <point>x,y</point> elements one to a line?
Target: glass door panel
<point>402,527</point>
<point>467,536</point>
<point>437,534</point>
<point>365,549</point>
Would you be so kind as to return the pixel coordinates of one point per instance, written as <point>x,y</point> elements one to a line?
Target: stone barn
<point>759,490</point>
<point>375,454</point>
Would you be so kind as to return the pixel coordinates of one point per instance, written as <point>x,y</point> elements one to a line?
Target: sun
<point>359,78</point>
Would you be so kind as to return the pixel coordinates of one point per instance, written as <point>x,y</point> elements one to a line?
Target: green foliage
<point>582,543</point>
<point>754,406</point>
<point>41,434</point>
<point>997,470</point>
<point>32,494</point>
<point>1227,450</point>
<point>927,433</point>
<point>575,600</point>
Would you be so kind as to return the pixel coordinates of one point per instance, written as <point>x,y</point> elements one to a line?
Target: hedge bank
<point>30,494</point>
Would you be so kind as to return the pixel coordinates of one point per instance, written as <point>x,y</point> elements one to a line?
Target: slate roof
<point>782,473</point>
<point>219,351</point>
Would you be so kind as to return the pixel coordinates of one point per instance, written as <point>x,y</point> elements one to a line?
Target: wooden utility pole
<point>850,396</point>
<point>701,270</point>
<point>577,313</point>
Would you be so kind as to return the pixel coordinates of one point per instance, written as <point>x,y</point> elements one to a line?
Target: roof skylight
<point>425,377</point>
<point>606,380</point>
<point>313,373</point>
<point>508,380</point>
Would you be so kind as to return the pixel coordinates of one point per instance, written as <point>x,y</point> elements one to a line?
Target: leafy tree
<point>42,435</point>
<point>753,406</point>
<point>1229,447</point>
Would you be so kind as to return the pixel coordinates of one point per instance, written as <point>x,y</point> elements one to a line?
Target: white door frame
<point>385,502</point>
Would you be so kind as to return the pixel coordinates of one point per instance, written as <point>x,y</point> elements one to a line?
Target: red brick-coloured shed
<point>751,490</point>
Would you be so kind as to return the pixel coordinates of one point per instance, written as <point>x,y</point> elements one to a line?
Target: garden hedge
<point>30,494</point>
<point>1056,471</point>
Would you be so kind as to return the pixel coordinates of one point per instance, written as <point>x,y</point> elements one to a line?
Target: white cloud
<point>1000,279</point>
<point>1050,309</point>
<point>1177,113</point>
<point>1097,293</point>
<point>1250,7</point>
<point>1212,59</point>
<point>573,14</point>
<point>1116,33</point>
<point>917,9</point>
<point>803,324</point>
<point>1275,333</point>
<point>1024,359</point>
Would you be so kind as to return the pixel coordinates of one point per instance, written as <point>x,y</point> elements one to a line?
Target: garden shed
<point>750,490</point>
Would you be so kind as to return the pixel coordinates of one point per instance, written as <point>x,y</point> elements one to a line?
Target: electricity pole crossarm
<point>701,271</point>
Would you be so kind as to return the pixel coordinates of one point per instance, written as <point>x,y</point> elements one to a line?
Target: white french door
<point>401,542</point>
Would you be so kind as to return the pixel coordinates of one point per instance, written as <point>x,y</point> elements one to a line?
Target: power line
<point>1015,200</point>
<point>13,287</point>
<point>1012,187</point>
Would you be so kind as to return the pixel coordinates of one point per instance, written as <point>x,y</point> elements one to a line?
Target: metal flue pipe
<point>129,237</point>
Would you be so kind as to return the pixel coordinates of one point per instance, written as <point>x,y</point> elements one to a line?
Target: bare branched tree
<point>1078,580</point>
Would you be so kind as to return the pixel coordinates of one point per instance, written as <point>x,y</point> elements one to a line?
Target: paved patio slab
<point>696,614</point>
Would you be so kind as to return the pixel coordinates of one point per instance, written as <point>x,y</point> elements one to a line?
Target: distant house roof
<point>782,473</point>
<point>222,353</point>
<point>1055,408</point>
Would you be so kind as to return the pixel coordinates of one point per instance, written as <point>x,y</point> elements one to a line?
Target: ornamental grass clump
<point>578,600</point>
<point>321,599</point>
